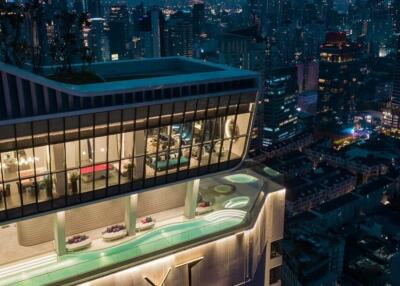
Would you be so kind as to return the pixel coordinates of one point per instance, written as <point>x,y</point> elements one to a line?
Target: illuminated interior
<point>84,160</point>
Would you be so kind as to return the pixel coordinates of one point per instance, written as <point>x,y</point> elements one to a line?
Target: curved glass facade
<point>54,163</point>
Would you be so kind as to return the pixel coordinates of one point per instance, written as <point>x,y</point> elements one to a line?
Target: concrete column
<point>59,232</point>
<point>140,138</point>
<point>130,213</point>
<point>192,193</point>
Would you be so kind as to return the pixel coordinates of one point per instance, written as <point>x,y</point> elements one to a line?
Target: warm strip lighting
<point>190,261</point>
<point>27,265</point>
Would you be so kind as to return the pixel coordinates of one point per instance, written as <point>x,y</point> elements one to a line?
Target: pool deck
<point>175,233</point>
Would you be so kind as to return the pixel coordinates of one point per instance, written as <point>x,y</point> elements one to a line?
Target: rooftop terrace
<point>119,76</point>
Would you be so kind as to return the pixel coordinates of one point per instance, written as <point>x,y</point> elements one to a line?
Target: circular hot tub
<point>241,179</point>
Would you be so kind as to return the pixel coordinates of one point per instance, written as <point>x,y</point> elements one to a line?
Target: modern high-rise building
<point>391,116</point>
<point>119,33</point>
<point>134,178</point>
<point>280,102</point>
<point>179,35</point>
<point>198,19</point>
<point>98,40</point>
<point>338,78</point>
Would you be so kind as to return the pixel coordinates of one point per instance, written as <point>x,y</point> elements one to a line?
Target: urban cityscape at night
<point>200,142</point>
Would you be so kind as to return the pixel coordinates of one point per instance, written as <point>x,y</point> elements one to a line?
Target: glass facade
<point>53,163</point>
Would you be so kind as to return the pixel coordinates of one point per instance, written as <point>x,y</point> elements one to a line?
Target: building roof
<point>143,74</point>
<point>336,203</point>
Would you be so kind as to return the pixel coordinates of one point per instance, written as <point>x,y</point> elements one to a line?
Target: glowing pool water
<point>236,203</point>
<point>241,179</point>
<point>158,239</point>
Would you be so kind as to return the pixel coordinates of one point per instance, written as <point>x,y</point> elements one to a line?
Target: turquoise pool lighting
<point>241,179</point>
<point>167,236</point>
<point>237,203</point>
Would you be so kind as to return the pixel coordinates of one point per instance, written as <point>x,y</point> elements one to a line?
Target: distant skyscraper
<point>280,100</point>
<point>338,76</point>
<point>156,33</point>
<point>391,116</point>
<point>396,83</point>
<point>179,35</point>
<point>94,8</point>
<point>198,18</point>
<point>150,33</point>
<point>118,36</point>
<point>98,40</point>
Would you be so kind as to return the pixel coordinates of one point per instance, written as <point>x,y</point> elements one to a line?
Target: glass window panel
<point>2,197</point>
<point>7,143</point>
<point>238,145</point>
<point>57,155</point>
<point>114,145</point>
<point>40,132</point>
<point>26,163</point>
<point>113,173</point>
<point>46,187</point>
<point>71,128</point>
<point>154,141</point>
<point>242,124</point>
<point>9,165</point>
<point>100,149</point>
<point>138,167</point>
<point>13,199</point>
<point>73,182</point>
<point>58,183</point>
<point>225,150</point>
<point>140,144</point>
<point>56,129</point>
<point>42,160</point>
<point>86,146</point>
<point>72,149</point>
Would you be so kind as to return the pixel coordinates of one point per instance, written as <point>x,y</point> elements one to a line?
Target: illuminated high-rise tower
<point>391,116</point>
<point>338,76</point>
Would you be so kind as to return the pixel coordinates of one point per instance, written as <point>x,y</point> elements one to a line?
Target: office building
<point>280,101</point>
<point>135,177</point>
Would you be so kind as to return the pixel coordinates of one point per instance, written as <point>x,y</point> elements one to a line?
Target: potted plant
<point>74,182</point>
<point>48,185</point>
<point>129,170</point>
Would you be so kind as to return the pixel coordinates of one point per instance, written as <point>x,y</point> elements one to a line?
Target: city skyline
<point>251,142</point>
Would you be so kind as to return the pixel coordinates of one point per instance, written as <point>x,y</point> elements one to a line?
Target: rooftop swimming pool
<point>158,239</point>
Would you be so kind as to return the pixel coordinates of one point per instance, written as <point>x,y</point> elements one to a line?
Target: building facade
<point>135,177</point>
<point>338,76</point>
<point>280,102</point>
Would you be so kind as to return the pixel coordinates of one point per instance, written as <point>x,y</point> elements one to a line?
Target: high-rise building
<point>280,102</point>
<point>338,78</point>
<point>391,116</point>
<point>119,33</point>
<point>95,8</point>
<point>198,19</point>
<point>135,177</point>
<point>179,35</point>
<point>98,40</point>
<point>150,28</point>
